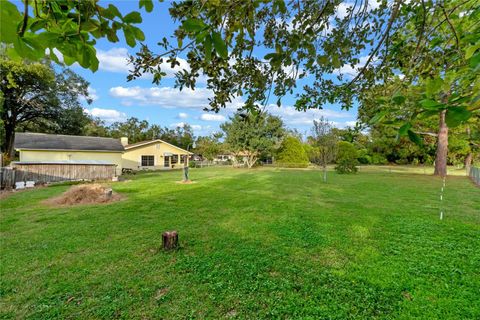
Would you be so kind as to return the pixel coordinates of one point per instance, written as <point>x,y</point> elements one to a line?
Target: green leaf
<point>89,26</point>
<point>193,25</point>
<point>456,115</point>
<point>208,48</point>
<point>133,17</point>
<point>431,104</point>
<point>9,16</point>
<point>111,12</point>
<point>471,50</point>
<point>415,138</point>
<point>378,117</point>
<point>219,45</point>
<point>129,36</point>
<point>139,35</point>
<point>404,129</point>
<point>148,4</point>
<point>398,98</point>
<point>475,60</point>
<point>269,56</point>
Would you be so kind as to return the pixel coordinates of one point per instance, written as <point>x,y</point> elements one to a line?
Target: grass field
<point>264,243</point>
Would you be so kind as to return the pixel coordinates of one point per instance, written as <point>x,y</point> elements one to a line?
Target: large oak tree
<point>35,92</point>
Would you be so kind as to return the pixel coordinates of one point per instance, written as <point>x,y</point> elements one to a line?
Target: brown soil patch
<point>85,194</point>
<point>186,182</point>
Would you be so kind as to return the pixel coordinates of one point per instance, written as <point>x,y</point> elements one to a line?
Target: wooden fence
<point>46,172</point>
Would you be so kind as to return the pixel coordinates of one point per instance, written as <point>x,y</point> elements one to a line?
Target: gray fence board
<point>46,173</point>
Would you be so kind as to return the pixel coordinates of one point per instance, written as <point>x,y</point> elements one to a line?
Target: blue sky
<point>115,99</point>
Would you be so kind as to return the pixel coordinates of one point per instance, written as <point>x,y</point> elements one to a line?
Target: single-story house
<point>40,148</point>
<point>153,154</point>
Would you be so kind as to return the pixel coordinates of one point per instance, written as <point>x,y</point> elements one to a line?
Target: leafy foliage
<point>346,158</point>
<point>140,130</point>
<point>292,154</point>
<point>209,147</point>
<point>324,141</point>
<point>33,93</point>
<point>253,135</point>
<point>66,29</point>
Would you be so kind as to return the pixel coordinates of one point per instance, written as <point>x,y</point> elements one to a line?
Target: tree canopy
<point>253,135</point>
<point>292,154</point>
<point>67,30</point>
<point>35,94</point>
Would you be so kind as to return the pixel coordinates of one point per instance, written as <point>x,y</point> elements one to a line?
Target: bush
<point>292,154</point>
<point>346,158</point>
<point>378,158</point>
<point>364,157</point>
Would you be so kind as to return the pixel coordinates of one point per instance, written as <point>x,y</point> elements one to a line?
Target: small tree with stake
<point>324,142</point>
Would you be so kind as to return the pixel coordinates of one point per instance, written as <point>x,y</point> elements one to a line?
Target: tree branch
<point>385,35</point>
<point>25,19</point>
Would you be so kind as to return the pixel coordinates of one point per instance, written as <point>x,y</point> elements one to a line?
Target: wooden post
<point>170,240</point>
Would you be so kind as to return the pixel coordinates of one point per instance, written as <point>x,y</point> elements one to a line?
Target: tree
<point>346,158</point>
<point>66,28</point>
<point>292,154</point>
<point>436,52</point>
<point>253,135</point>
<point>35,92</point>
<point>209,147</point>
<point>70,121</point>
<point>134,129</point>
<point>324,140</point>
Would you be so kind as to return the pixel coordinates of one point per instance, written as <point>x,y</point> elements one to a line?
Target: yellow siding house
<point>153,154</point>
<point>65,149</point>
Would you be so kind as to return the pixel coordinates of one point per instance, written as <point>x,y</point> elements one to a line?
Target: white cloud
<point>350,123</point>
<point>92,93</point>
<point>349,72</point>
<point>182,115</point>
<point>182,124</point>
<point>196,127</point>
<point>116,60</point>
<point>344,8</point>
<point>212,117</point>
<point>292,117</point>
<point>167,97</point>
<point>109,115</point>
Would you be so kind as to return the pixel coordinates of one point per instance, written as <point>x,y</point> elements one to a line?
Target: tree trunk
<point>442,147</point>
<point>170,240</point>
<point>468,162</point>
<point>251,161</point>
<point>324,173</point>
<point>9,140</point>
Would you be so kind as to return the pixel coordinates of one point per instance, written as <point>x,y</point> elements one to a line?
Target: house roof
<point>42,141</point>
<point>147,142</point>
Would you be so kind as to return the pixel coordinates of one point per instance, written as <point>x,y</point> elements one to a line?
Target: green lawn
<point>265,243</point>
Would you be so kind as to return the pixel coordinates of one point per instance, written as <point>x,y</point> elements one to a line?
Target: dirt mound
<point>85,194</point>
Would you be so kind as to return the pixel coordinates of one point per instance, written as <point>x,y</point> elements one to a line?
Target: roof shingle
<point>42,141</point>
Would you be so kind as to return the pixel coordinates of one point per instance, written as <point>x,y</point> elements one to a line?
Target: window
<point>148,161</point>
<point>174,158</point>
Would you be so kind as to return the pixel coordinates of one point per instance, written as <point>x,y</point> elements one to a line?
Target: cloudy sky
<point>115,99</point>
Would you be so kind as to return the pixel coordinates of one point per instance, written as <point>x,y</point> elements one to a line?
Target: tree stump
<point>170,240</point>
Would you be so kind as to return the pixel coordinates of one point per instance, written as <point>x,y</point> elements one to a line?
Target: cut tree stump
<point>170,240</point>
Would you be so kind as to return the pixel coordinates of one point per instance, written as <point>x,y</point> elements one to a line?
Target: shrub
<point>364,157</point>
<point>346,158</point>
<point>292,154</point>
<point>378,158</point>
